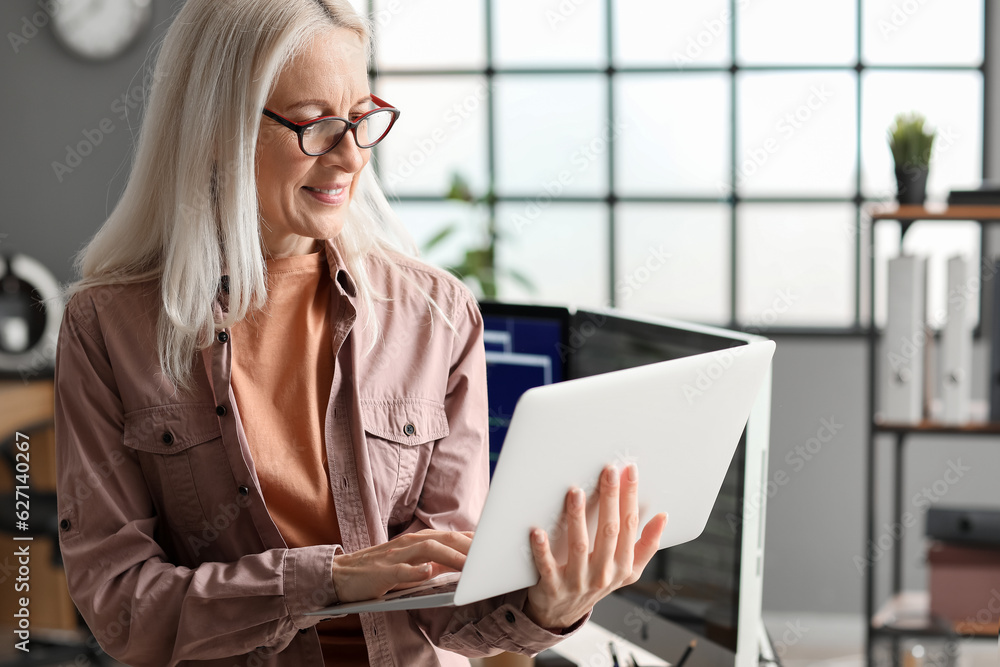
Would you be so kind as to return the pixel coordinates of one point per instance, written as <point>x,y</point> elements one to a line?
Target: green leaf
<point>460,189</point>
<point>439,237</point>
<point>522,279</point>
<point>909,141</point>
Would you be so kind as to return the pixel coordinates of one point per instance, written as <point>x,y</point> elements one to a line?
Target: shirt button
<point>64,524</point>
<point>223,337</point>
<point>509,616</point>
<point>345,483</point>
<point>409,430</point>
<point>221,411</point>
<point>244,490</point>
<point>167,438</point>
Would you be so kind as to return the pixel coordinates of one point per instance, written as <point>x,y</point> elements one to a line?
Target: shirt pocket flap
<point>170,429</point>
<point>406,421</point>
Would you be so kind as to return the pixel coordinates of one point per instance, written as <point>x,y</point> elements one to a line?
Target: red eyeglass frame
<point>352,127</point>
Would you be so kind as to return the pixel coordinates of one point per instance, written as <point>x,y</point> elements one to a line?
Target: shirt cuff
<point>308,582</point>
<point>517,633</point>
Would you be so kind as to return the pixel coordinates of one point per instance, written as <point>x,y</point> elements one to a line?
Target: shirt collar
<point>338,268</point>
<point>338,271</point>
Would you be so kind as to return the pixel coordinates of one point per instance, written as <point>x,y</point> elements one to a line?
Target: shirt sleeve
<point>453,497</point>
<point>143,609</point>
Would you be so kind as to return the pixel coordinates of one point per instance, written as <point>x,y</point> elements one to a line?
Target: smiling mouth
<point>335,191</point>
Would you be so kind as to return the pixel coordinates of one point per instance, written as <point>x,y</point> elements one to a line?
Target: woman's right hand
<point>405,561</point>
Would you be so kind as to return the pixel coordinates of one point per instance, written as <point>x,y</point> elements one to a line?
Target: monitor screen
<point>524,349</point>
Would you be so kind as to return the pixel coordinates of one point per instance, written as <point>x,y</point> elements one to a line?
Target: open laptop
<point>679,421</point>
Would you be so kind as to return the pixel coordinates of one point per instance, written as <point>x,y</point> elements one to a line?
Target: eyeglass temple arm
<point>382,103</point>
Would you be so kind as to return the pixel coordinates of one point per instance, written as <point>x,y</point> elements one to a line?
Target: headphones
<point>31,308</point>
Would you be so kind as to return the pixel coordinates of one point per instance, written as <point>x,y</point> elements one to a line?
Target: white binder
<point>905,342</point>
<point>956,345</point>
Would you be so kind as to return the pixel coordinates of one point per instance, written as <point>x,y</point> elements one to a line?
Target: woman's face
<point>303,198</point>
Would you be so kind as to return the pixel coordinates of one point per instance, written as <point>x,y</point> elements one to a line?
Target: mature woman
<point>263,406</point>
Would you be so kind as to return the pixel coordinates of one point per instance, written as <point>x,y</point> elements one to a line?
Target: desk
<point>589,646</point>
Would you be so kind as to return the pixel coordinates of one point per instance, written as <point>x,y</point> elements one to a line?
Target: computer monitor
<point>522,351</point>
<point>708,589</point>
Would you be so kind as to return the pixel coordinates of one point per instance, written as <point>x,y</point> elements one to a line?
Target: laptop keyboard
<point>445,583</point>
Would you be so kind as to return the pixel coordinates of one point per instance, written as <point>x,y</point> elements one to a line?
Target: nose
<point>346,155</point>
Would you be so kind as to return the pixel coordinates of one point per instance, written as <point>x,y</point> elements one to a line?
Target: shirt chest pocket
<point>400,434</point>
<point>184,462</point>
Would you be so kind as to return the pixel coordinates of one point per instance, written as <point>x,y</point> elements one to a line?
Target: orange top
<point>282,374</point>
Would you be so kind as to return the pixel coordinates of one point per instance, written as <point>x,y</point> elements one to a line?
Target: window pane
<point>424,220</point>
<point>925,33</point>
<point>790,32</point>
<point>797,133</point>
<point>531,33</point>
<point>938,241</point>
<point>682,34</point>
<point>421,34</point>
<point>673,261</point>
<point>666,147</point>
<point>552,135</point>
<point>796,264</point>
<point>441,131</point>
<point>952,103</point>
<point>531,234</point>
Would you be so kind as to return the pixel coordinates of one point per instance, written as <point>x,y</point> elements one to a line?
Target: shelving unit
<point>905,614</point>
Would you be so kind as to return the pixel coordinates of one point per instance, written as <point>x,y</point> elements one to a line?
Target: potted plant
<point>477,267</point>
<point>911,144</point>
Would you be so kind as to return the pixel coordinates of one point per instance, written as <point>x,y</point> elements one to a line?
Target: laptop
<point>679,421</point>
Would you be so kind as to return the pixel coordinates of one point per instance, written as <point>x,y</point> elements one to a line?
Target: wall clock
<point>100,29</point>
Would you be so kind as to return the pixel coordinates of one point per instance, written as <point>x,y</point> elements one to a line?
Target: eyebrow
<point>322,103</point>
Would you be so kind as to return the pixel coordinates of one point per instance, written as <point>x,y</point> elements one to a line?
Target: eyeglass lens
<point>319,137</point>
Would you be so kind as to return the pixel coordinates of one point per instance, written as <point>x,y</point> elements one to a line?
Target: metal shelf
<point>907,614</point>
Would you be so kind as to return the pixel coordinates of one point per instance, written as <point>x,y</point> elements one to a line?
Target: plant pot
<point>911,184</point>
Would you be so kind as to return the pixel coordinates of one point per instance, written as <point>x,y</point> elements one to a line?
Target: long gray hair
<point>190,212</point>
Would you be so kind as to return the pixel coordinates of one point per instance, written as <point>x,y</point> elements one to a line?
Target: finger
<point>578,543</point>
<point>647,546</point>
<point>405,575</point>
<point>431,552</point>
<point>629,504</point>
<point>602,561</point>
<point>458,540</point>
<point>545,562</point>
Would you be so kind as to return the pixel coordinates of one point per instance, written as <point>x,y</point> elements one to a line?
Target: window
<point>706,161</point>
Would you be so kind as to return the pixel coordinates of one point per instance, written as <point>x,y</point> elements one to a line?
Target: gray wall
<point>50,100</point>
<point>815,520</point>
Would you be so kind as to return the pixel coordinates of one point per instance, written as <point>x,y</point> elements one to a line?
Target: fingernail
<point>633,472</point>
<point>538,536</point>
<point>611,474</point>
<point>577,498</point>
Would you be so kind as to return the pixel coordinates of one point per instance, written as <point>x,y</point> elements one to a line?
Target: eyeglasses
<point>320,136</point>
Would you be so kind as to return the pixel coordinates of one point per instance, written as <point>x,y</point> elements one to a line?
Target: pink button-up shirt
<point>170,553</point>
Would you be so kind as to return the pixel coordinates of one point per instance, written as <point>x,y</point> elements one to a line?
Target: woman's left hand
<point>565,593</point>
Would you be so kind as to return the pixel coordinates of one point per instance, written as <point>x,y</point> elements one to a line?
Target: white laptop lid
<point>680,421</point>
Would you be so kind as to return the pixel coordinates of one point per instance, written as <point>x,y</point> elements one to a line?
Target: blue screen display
<point>521,352</point>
